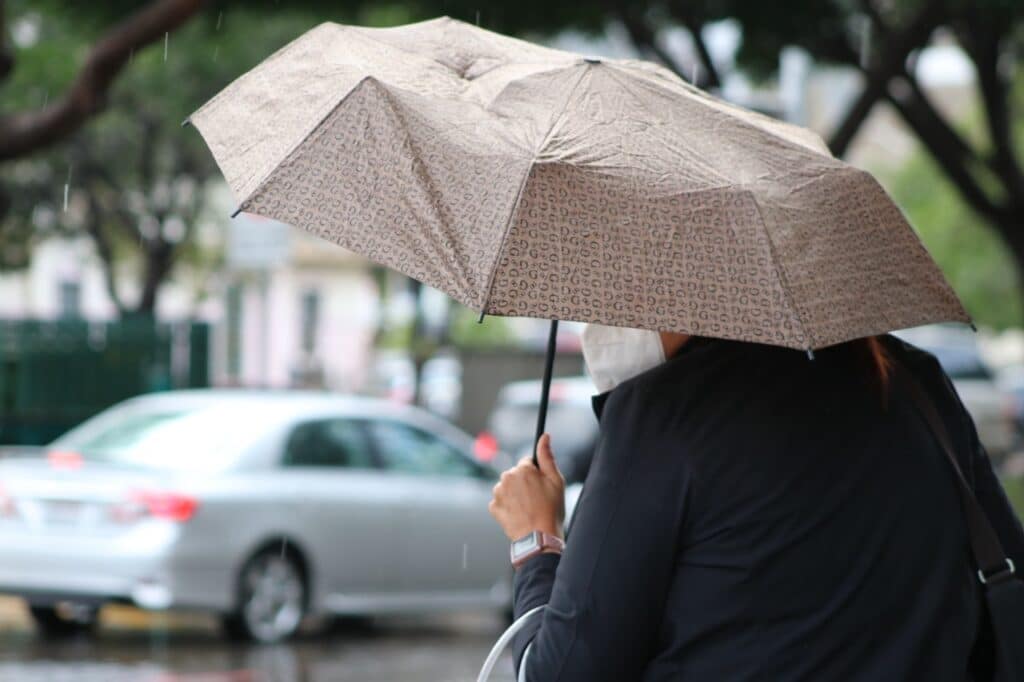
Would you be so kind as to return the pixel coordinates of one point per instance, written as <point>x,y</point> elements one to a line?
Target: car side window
<point>408,449</point>
<point>337,443</point>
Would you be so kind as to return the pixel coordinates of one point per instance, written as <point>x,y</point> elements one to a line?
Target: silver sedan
<point>261,506</point>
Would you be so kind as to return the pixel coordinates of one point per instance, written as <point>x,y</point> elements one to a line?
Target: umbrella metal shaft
<point>549,362</point>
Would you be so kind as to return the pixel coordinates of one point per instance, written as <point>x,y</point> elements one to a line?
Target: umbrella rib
<point>295,149</point>
<point>780,275</point>
<point>522,186</point>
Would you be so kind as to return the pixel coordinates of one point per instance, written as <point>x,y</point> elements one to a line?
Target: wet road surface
<point>131,646</point>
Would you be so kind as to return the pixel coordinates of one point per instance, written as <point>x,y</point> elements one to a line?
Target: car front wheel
<point>272,598</point>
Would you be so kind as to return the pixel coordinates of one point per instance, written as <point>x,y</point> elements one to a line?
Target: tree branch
<point>944,145</point>
<point>892,63</point>
<point>984,43</point>
<point>24,132</point>
<point>6,57</point>
<point>935,123</point>
<point>643,38</point>
<point>694,23</point>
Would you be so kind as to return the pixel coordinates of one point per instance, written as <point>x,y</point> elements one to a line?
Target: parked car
<point>570,421</point>
<point>260,506</point>
<point>992,408</point>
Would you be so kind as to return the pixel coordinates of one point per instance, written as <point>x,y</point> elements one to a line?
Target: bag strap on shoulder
<point>993,565</point>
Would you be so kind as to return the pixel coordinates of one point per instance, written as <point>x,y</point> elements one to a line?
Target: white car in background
<point>993,409</point>
<point>260,506</point>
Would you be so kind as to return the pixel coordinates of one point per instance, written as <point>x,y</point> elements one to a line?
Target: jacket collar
<point>598,401</point>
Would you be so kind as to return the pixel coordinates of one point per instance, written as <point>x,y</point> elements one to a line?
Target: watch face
<point>525,544</point>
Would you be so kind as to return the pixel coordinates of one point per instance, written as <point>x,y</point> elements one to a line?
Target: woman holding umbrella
<point>750,514</point>
<point>775,495</point>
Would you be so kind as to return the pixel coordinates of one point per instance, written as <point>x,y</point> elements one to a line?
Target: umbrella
<point>528,181</point>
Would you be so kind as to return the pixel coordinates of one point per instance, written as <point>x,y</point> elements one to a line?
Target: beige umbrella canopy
<point>528,181</point>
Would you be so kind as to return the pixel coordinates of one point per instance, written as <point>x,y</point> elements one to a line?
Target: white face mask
<point>615,354</point>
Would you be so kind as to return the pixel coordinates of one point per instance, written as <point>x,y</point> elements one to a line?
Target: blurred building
<point>295,310</point>
<point>286,309</point>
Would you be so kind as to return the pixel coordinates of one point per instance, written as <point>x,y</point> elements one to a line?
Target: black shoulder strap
<point>989,557</point>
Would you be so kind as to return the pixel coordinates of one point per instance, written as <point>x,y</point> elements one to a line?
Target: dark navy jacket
<point>754,515</point>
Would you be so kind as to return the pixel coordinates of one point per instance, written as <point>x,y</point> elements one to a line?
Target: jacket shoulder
<point>924,366</point>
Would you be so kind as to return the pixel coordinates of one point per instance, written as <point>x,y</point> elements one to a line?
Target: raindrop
<point>67,187</point>
<point>465,555</point>
<point>216,52</point>
<point>693,75</point>
<point>46,97</point>
<point>220,16</point>
<point>167,40</point>
<point>478,17</point>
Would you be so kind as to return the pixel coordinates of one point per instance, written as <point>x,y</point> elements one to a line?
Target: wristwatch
<point>532,544</point>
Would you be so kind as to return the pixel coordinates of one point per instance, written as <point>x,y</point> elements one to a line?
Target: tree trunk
<point>1011,228</point>
<point>418,345</point>
<point>158,259</point>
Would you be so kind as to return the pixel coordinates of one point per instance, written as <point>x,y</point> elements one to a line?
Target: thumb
<point>546,459</point>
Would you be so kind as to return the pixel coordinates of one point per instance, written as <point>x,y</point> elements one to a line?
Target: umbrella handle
<point>549,362</point>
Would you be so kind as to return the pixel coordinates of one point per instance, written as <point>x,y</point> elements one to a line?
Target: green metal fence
<point>54,374</point>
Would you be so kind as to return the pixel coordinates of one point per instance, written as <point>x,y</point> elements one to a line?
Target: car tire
<point>272,598</point>
<point>53,622</point>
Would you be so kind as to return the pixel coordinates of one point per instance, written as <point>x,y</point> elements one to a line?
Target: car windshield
<point>166,438</point>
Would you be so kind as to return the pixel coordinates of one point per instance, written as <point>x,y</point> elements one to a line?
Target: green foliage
<point>396,337</point>
<point>132,165</point>
<point>970,252</point>
<point>202,57</point>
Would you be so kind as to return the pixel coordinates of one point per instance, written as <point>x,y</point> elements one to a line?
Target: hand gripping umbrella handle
<point>549,362</point>
<point>503,641</point>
